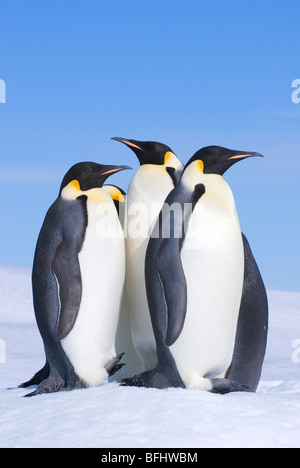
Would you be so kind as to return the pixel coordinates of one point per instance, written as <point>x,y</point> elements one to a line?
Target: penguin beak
<point>240,155</point>
<point>233,157</point>
<point>108,171</point>
<point>129,143</point>
<point>136,147</point>
<point>115,169</point>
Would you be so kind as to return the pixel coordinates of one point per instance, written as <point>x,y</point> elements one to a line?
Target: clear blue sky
<point>187,73</point>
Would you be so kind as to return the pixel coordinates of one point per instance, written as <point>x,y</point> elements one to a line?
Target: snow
<point>111,416</point>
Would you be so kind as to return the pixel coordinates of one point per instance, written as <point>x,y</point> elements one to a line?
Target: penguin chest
<point>213,262</point>
<point>90,344</point>
<point>148,190</point>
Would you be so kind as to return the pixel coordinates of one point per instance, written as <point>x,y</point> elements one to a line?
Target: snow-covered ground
<point>117,417</point>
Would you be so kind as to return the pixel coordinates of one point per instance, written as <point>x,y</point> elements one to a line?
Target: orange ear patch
<point>75,185</point>
<point>200,165</point>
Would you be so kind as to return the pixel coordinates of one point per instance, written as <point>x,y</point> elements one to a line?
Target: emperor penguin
<point>159,171</point>
<point>207,300</point>
<point>77,279</point>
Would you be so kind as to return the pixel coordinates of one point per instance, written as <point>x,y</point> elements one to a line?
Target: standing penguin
<point>207,300</point>
<point>78,277</point>
<point>159,172</point>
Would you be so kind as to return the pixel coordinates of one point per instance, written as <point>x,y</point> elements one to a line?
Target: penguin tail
<point>114,365</point>
<point>153,379</point>
<point>224,386</point>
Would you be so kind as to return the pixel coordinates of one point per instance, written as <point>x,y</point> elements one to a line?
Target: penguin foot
<point>152,379</point>
<point>50,385</point>
<point>224,386</point>
<point>113,366</point>
<point>38,377</point>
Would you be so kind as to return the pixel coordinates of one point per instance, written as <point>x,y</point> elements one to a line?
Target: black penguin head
<point>217,160</point>
<point>148,152</point>
<point>90,175</point>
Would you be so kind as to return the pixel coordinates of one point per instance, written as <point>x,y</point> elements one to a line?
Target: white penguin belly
<point>144,202</point>
<point>140,320</point>
<point>91,343</point>
<point>213,262</point>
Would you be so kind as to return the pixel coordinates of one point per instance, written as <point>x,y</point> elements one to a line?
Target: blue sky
<point>187,73</point>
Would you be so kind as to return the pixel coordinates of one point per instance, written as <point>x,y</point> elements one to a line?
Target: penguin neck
<point>174,162</point>
<point>147,192</point>
<point>150,184</point>
<point>218,195</point>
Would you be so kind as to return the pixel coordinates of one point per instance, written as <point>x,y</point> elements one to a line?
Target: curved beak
<point>108,171</point>
<point>116,169</point>
<point>130,143</point>
<point>242,155</point>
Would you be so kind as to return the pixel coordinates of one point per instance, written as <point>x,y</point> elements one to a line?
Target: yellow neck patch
<point>200,166</point>
<point>71,191</point>
<point>115,193</point>
<point>75,185</point>
<point>97,195</point>
<point>168,156</point>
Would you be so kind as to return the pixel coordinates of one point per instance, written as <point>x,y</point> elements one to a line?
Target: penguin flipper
<point>169,264</point>
<point>163,266</point>
<point>174,286</point>
<point>67,271</point>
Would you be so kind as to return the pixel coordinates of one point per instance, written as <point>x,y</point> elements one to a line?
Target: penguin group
<point>157,287</point>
